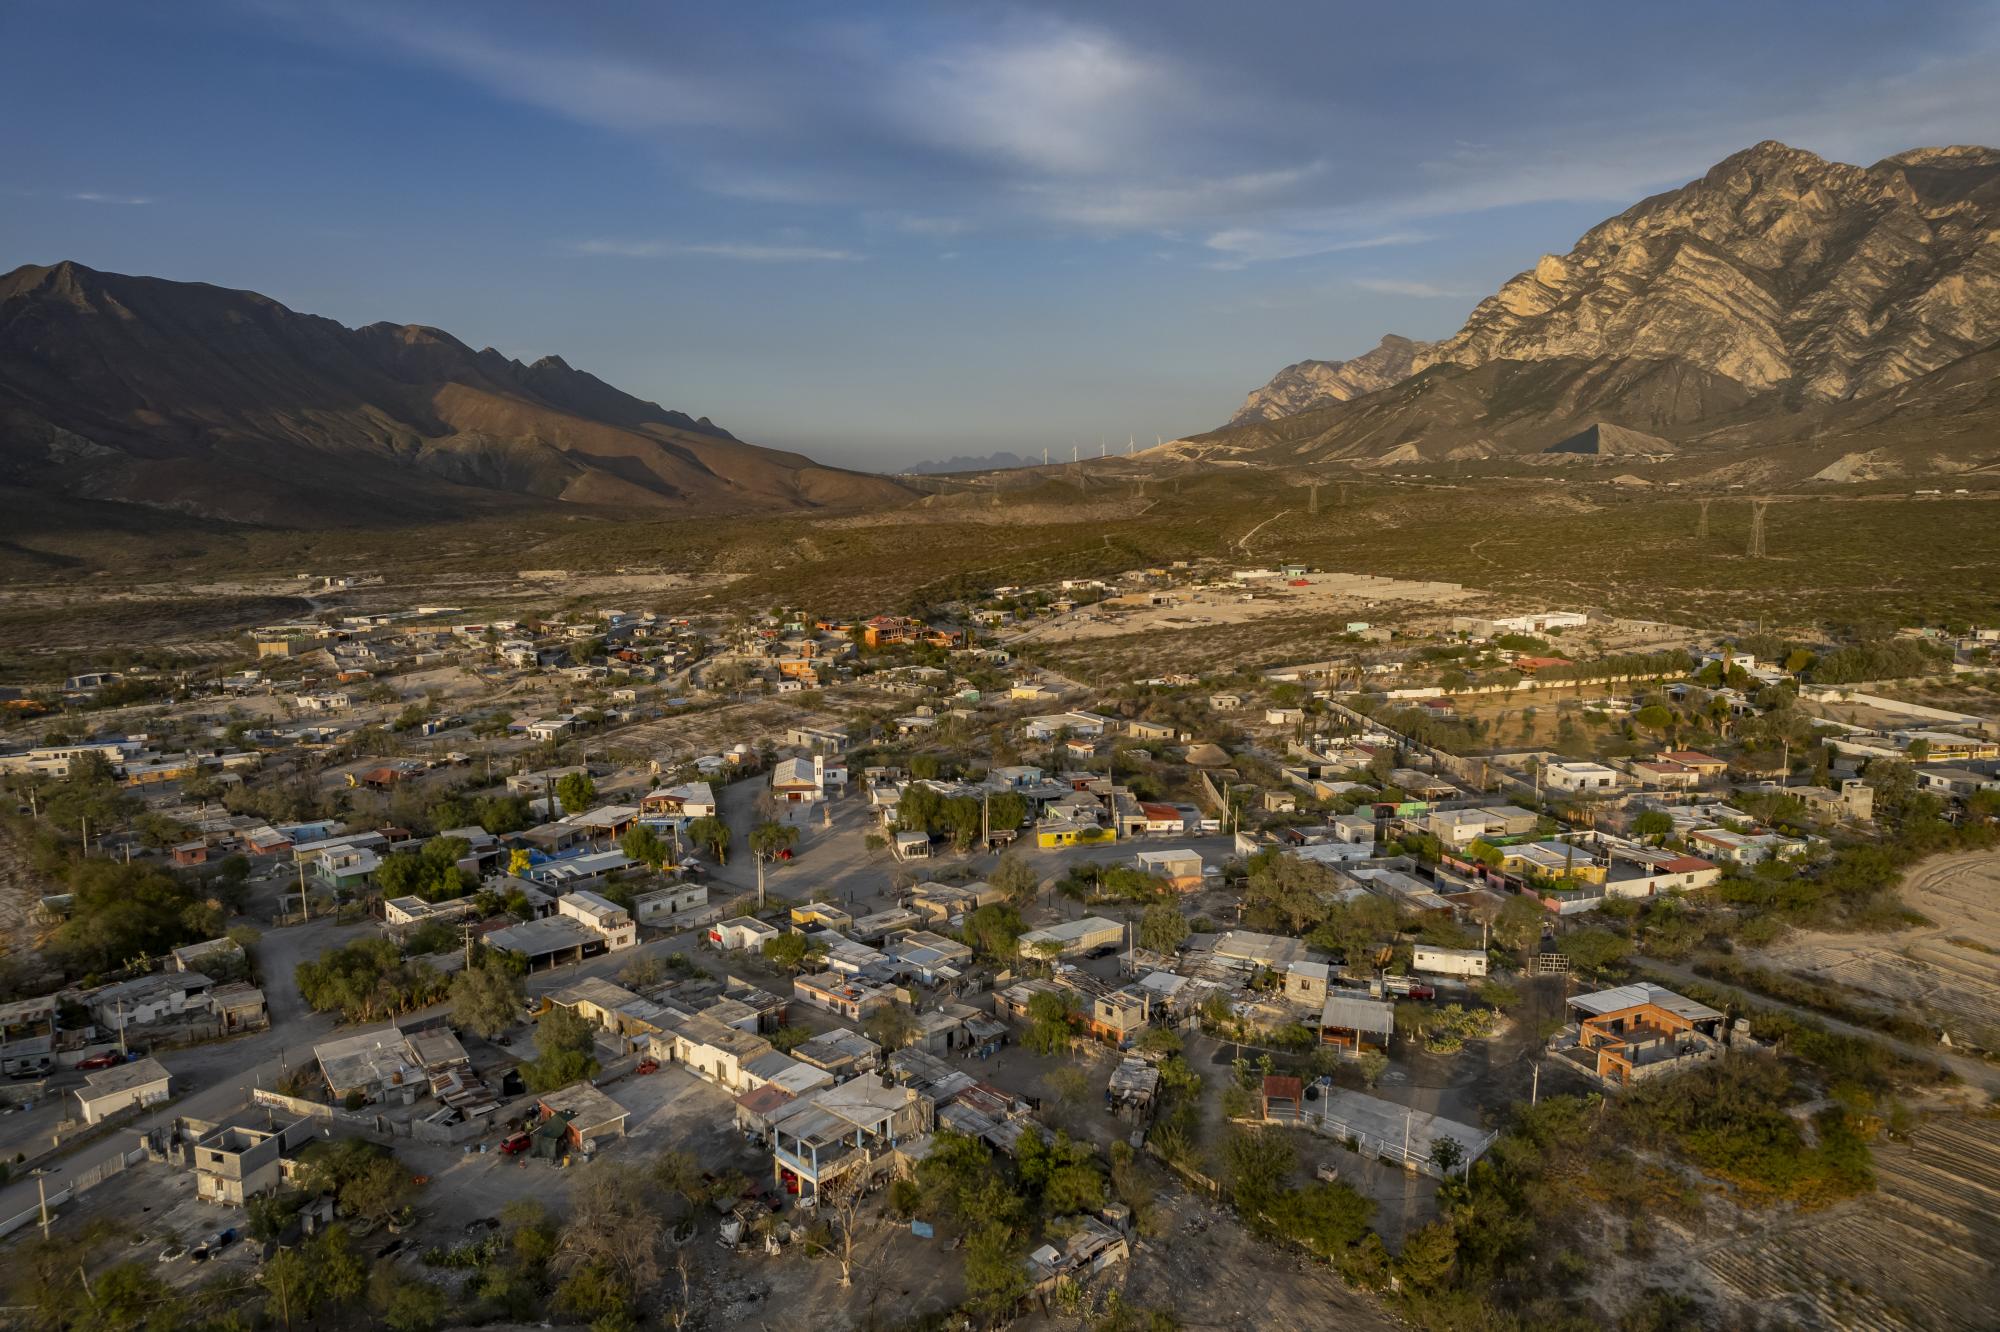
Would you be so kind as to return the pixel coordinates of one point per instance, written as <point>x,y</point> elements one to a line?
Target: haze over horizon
<point>919,231</point>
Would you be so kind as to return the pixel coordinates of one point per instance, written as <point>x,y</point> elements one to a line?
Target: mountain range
<point>1001,461</point>
<point>1779,300</point>
<point>225,404</point>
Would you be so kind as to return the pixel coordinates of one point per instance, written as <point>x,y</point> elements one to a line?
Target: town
<point>458,963</point>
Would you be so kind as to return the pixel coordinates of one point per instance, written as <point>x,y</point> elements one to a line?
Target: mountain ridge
<point>1777,283</point>
<point>226,403</point>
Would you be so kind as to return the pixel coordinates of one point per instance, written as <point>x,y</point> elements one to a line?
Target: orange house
<point>1635,1031</point>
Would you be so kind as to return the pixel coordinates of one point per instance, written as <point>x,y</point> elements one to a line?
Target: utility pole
<point>42,1194</point>
<point>1757,508</point>
<point>121,1028</point>
<point>1701,528</point>
<point>305,903</point>
<point>1535,1087</point>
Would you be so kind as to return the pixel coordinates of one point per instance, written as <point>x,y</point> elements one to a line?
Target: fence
<point>1411,1149</point>
<point>79,1184</point>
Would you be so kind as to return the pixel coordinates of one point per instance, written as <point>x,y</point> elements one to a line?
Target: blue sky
<point>888,232</point>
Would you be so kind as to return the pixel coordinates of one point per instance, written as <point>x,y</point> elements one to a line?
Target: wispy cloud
<point>1244,245</point>
<point>1426,291</point>
<point>96,197</point>
<point>744,251</point>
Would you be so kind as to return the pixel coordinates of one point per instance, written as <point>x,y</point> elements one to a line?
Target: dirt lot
<point>1949,970</point>
<point>1324,594</point>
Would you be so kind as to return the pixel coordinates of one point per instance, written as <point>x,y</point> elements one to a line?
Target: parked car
<point>646,1066</point>
<point>97,1062</point>
<point>516,1144</point>
<point>480,1225</point>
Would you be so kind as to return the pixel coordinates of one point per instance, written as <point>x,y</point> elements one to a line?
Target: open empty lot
<point>1948,970</point>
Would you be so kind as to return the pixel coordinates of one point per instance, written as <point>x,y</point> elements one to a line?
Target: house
<point>1307,983</point>
<point>547,941</point>
<point>1225,702</point>
<point>1578,778</point>
<point>371,1064</point>
<point>661,905</point>
<point>850,996</point>
<point>1075,725</point>
<point>129,1086</point>
<point>590,1118</point>
<point>1120,1016</point>
<point>1181,869</point>
<point>840,1052</point>
<point>239,1006</point>
<point>712,1050</point>
<point>400,915</point>
<point>234,1162</point>
<point>1746,848</point>
<point>745,932</point>
<point>818,739</point>
<point>692,800</point>
<point>1353,1022</point>
<point>1284,716</point>
<point>931,956</point>
<point>912,844</point>
<point>1072,938</point>
<point>570,873</point>
<point>214,956</point>
<point>1705,767</point>
<point>1664,776</point>
<point>835,1130</point>
<point>1467,962</point>
<point>1621,1035</point>
<point>145,1000</point>
<point>1954,783</point>
<point>611,922</point>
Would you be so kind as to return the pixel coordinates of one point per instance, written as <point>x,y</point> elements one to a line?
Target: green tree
<point>993,931</point>
<point>712,834</point>
<point>566,1042</point>
<point>768,839</point>
<point>485,999</point>
<point>645,846</point>
<point>1594,949</point>
<point>1429,1257</point>
<point>791,951</point>
<point>1052,1021</point>
<point>1654,823</point>
<point>576,792</point>
<point>1162,928</point>
<point>1256,1163</point>
<point>1518,926</point>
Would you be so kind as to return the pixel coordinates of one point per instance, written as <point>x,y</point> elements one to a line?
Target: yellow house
<point>1551,860</point>
<point>1054,835</point>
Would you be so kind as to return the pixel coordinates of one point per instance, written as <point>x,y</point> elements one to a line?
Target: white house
<point>110,1090</point>
<point>741,932</point>
<point>1580,778</point>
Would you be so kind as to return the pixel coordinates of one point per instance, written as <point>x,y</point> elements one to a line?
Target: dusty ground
<point>1949,969</point>
<point>1325,594</point>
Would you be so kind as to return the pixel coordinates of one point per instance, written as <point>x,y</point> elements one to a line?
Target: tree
<point>1447,1154</point>
<point>1016,879</point>
<point>790,951</point>
<point>576,792</point>
<point>710,833</point>
<point>1256,1163</point>
<point>1063,1175</point>
<point>1326,1218</point>
<point>1429,1256</point>
<point>1594,949</point>
<point>837,1203</point>
<point>486,998</point>
<point>566,1041</point>
<point>1052,1020</point>
<point>891,1026</point>
<point>1655,823</point>
<point>645,846</point>
<point>1519,925</point>
<point>613,1235</point>
<point>768,839</point>
<point>1162,928</point>
<point>324,1270</point>
<point>994,930</point>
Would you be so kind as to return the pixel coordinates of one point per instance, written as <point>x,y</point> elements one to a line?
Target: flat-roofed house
<point>1621,1035</point>
<point>128,1086</point>
<point>1352,1023</point>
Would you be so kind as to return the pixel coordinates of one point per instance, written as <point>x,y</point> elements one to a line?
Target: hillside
<point>1307,385</point>
<point>225,404</point>
<point>1778,289</point>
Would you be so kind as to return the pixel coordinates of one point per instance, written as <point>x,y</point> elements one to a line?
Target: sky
<point>888,232</point>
